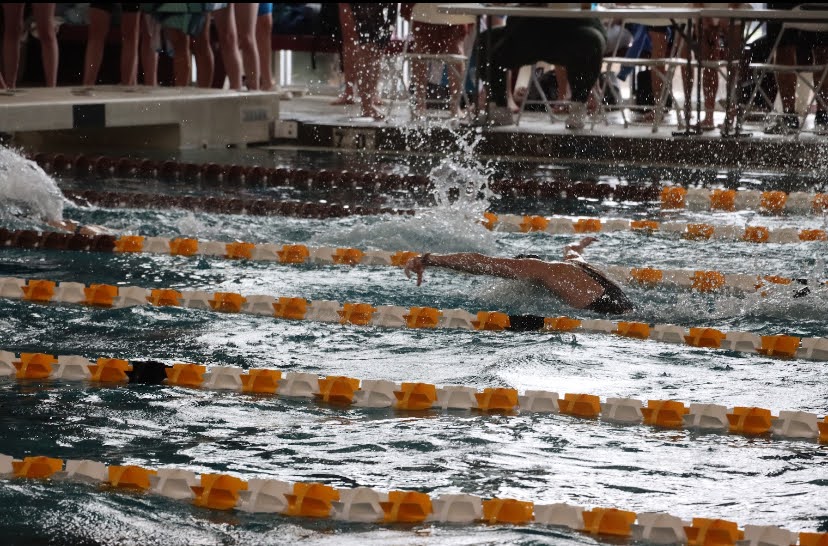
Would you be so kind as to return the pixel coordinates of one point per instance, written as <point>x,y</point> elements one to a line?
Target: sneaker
<point>577,116</point>
<point>786,124</point>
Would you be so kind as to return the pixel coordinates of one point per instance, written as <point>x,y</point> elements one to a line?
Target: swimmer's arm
<point>574,251</point>
<point>474,263</point>
<point>69,225</point>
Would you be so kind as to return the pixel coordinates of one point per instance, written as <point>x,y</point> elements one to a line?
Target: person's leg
<point>419,69</point>
<point>130,34</point>
<point>245,14</point>
<point>786,54</point>
<point>264,28</point>
<point>96,36</point>
<point>229,44</point>
<point>149,57</point>
<point>203,52</point>
<point>44,20</point>
<point>368,59</point>
<point>455,46</point>
<point>181,56</point>
<point>710,76</point>
<point>349,48</point>
<point>658,39</point>
<point>12,31</point>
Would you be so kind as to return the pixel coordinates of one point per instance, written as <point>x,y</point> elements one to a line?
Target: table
<point>809,15</point>
<point>666,16</point>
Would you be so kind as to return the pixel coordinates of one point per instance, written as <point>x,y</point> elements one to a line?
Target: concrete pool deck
<point>141,118</point>
<point>136,117</point>
<point>321,125</point>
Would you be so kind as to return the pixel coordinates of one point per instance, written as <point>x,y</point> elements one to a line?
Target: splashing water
<point>461,196</point>
<point>25,190</point>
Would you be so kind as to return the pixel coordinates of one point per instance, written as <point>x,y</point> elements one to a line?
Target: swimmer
<point>575,282</point>
<point>73,227</point>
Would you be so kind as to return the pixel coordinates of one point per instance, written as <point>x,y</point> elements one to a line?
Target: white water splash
<point>25,190</point>
<point>461,196</point>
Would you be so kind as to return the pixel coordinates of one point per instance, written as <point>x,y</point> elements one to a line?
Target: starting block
<point>11,288</point>
<point>560,226</point>
<point>196,299</point>
<point>598,326</point>
<point>668,333</point>
<point>70,292</point>
<point>376,257</point>
<point>744,342</point>
<point>615,224</point>
<point>389,316</point>
<point>323,311</point>
<point>799,202</point>
<point>813,348</point>
<point>457,318</point>
<point>747,200</point>
<point>784,235</point>
<point>265,252</point>
<point>259,305</point>
<point>131,296</point>
<point>85,471</point>
<point>7,367</point>
<point>211,248</point>
<point>156,245</point>
<point>767,535</point>
<point>697,199</point>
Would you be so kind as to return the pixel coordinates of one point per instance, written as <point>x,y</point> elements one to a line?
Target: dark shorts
<point>109,6</point>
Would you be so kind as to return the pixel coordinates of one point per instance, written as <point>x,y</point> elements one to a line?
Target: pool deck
<point>137,117</point>
<point>321,125</point>
<point>142,118</point>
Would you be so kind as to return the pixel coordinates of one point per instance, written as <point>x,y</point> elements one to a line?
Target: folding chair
<point>820,72</point>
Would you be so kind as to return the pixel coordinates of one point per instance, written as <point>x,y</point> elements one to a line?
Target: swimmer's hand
<point>416,265</point>
<point>73,227</point>
<point>573,251</point>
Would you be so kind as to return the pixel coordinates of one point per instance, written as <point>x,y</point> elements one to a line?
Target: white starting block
<point>361,504</point>
<point>509,222</point>
<point>457,509</point>
<point>744,283</point>
<point>265,496</point>
<point>784,235</point>
<point>673,227</point>
<point>727,233</point>
<point>677,277</point>
<point>599,326</point>
<point>6,464</point>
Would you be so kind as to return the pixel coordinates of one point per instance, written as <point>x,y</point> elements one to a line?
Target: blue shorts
<point>265,9</point>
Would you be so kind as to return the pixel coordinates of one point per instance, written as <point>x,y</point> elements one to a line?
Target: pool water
<point>539,457</point>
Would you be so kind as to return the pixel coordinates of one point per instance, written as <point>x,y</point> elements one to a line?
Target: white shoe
<point>577,116</point>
